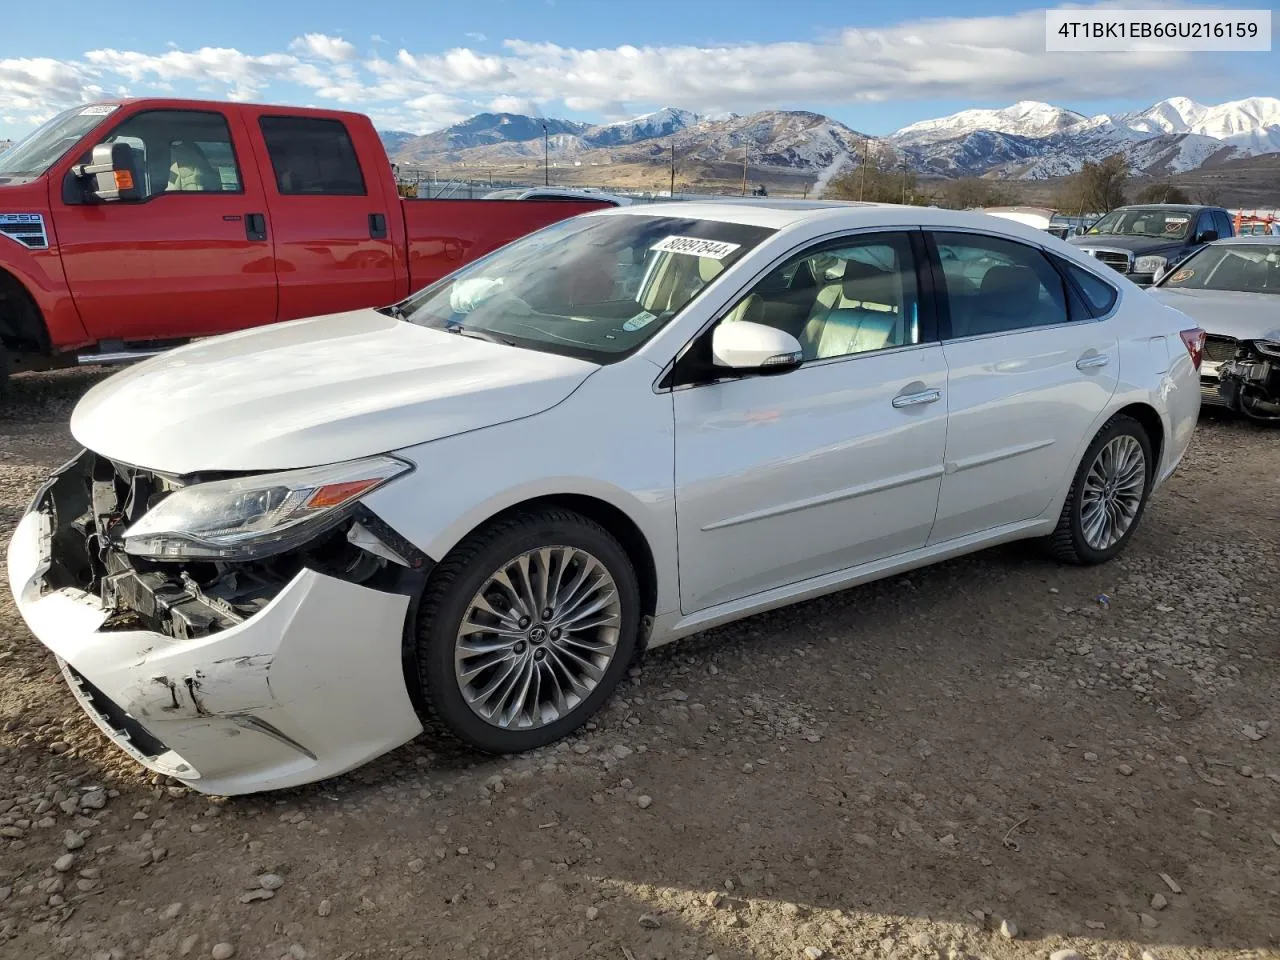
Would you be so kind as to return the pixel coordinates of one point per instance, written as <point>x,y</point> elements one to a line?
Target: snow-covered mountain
<point>1032,140</point>
<point>1252,124</point>
<point>1029,140</point>
<point>660,123</point>
<point>1027,118</point>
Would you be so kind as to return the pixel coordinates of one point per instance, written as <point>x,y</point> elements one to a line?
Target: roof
<point>1256,240</point>
<point>837,214</point>
<point>1169,206</point>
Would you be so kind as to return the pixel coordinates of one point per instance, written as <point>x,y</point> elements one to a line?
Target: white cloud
<point>987,59</point>
<point>240,75</point>
<point>477,37</point>
<point>33,88</point>
<point>325,47</point>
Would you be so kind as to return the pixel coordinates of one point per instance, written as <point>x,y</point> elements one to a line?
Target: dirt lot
<point>891,772</point>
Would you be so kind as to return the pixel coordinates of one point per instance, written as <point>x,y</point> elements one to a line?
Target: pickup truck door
<point>333,226</point>
<point>184,261</point>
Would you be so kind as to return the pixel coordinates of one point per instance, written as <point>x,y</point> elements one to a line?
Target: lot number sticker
<point>696,247</point>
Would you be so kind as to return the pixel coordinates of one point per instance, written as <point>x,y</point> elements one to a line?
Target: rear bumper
<point>310,687</point>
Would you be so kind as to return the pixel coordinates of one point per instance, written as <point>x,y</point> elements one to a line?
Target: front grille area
<point>1220,349</point>
<point>114,716</point>
<point>1116,261</point>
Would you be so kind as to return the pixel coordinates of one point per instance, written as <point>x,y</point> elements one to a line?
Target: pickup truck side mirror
<point>1206,236</point>
<point>1078,231</point>
<point>111,174</point>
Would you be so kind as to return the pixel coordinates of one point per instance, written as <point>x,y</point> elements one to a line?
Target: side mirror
<point>111,174</point>
<point>1206,236</point>
<point>1162,273</point>
<point>743,345</point>
<point>1078,232</point>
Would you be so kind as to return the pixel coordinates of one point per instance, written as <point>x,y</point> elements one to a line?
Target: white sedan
<point>286,551</point>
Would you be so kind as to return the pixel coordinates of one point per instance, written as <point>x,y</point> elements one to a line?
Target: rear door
<point>183,261</point>
<point>1031,368</point>
<point>331,223</point>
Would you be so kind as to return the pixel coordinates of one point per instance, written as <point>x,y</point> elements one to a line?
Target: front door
<point>786,477</point>
<point>182,261</point>
<point>332,226</point>
<point>1028,378</point>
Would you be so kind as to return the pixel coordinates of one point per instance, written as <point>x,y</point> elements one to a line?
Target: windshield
<point>1246,267</point>
<point>590,287</point>
<point>1150,222</point>
<point>33,155</point>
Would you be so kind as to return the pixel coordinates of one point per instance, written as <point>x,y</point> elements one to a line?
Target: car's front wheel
<point>525,629</point>
<point>1108,494</point>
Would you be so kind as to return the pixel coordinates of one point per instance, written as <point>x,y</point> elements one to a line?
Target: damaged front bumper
<point>230,679</point>
<point>1249,383</point>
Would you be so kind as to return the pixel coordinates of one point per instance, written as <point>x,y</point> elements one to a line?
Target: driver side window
<point>843,298</point>
<point>180,151</point>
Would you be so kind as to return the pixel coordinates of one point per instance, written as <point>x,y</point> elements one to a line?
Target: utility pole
<point>862,174</point>
<point>673,171</point>
<point>744,171</point>
<point>546,156</point>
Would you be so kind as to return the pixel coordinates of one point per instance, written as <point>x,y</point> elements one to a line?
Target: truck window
<point>312,157</point>
<point>1223,223</point>
<point>180,151</point>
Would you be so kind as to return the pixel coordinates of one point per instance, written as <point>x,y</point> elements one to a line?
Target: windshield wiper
<point>484,335</point>
<point>396,311</point>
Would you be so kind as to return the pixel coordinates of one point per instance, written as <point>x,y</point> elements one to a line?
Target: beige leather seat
<point>865,315</point>
<point>190,170</point>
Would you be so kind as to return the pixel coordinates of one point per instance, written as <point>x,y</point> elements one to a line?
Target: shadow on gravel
<point>47,396</point>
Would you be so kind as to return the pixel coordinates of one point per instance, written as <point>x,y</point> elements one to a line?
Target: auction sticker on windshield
<point>1175,224</point>
<point>99,109</point>
<point>696,247</point>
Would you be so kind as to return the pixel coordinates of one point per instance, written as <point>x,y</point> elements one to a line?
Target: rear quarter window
<point>1098,295</point>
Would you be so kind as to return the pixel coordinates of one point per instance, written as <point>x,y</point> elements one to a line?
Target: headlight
<point>1149,264</point>
<point>250,517</point>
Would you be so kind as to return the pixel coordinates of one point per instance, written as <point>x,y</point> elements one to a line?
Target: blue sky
<point>422,65</point>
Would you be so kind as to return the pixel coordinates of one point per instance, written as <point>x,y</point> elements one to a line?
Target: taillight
<point>1193,340</point>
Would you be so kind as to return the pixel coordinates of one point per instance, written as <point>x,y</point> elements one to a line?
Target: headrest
<point>1010,290</point>
<point>869,284</point>
<point>708,269</point>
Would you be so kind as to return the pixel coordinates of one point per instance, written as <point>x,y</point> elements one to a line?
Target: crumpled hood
<point>1138,246</point>
<point>314,391</point>
<point>1227,313</point>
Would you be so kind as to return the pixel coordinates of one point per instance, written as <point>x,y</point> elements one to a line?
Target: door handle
<point>255,226</point>
<point>916,399</point>
<point>377,226</point>
<point>1093,362</point>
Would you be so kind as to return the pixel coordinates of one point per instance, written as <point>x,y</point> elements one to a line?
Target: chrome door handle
<point>916,399</point>
<point>1093,362</point>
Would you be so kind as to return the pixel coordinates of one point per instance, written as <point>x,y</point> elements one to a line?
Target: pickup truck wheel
<point>525,629</point>
<point>1108,495</point>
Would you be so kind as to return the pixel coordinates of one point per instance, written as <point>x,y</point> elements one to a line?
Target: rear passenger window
<point>1223,223</point>
<point>1099,296</point>
<point>997,286</point>
<point>312,157</point>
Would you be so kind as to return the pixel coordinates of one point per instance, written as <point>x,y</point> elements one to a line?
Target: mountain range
<point>1028,140</point>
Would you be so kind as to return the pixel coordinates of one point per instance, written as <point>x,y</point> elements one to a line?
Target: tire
<point>450,595</point>
<point>1069,542</point>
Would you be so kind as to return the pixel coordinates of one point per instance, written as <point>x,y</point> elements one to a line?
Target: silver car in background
<point>1231,288</point>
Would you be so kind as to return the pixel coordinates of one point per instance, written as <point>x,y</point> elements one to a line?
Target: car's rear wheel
<point>1108,495</point>
<point>525,630</point>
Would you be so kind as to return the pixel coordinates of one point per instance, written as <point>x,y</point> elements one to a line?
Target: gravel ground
<point>997,758</point>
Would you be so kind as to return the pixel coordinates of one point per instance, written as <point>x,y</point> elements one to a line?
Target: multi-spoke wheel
<point>525,630</point>
<point>1107,496</point>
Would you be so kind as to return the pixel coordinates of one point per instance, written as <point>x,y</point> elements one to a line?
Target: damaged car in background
<point>1232,289</point>
<point>286,551</point>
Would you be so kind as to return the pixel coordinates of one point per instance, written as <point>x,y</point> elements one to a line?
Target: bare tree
<point>1161,193</point>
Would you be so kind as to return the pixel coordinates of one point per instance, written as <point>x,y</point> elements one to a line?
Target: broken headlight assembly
<point>251,517</point>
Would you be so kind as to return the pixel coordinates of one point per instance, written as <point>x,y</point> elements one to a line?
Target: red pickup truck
<point>134,225</point>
